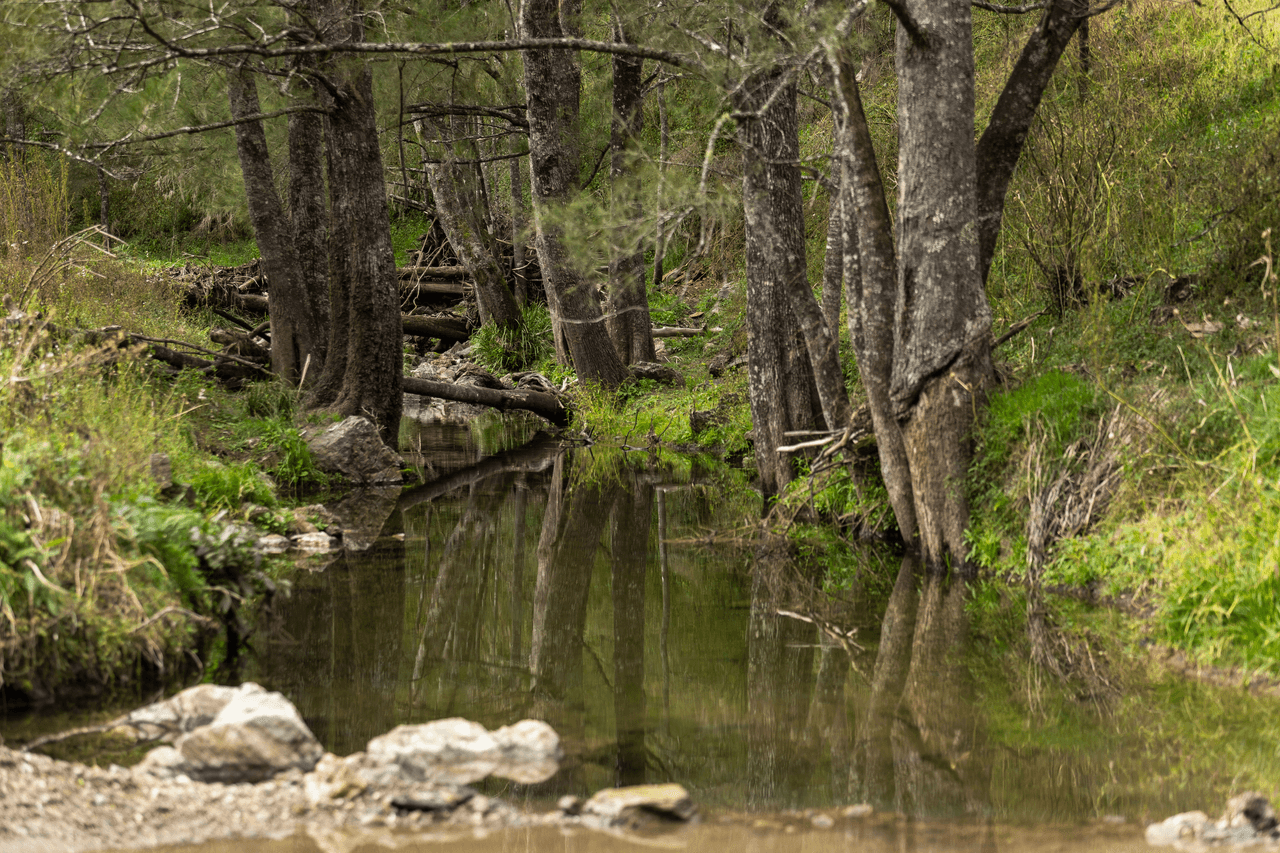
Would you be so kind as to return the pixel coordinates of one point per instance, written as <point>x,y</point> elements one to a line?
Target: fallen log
<point>680,331</point>
<point>544,405</point>
<point>432,292</point>
<point>447,273</point>
<point>445,328</point>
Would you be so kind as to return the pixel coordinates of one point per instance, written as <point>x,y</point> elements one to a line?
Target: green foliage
<point>510,350</point>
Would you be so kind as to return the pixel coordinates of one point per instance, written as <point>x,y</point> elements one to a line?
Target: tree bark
<point>309,217</point>
<point>628,322</point>
<point>296,332</point>
<point>870,275</point>
<point>552,85</point>
<point>460,209</point>
<point>534,401</point>
<point>364,366</point>
<point>942,344</point>
<point>778,364</point>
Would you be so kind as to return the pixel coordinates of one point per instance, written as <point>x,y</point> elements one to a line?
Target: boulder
<point>457,752</point>
<point>621,805</point>
<point>1248,820</point>
<point>194,707</point>
<point>354,449</point>
<point>253,737</point>
<point>659,373</point>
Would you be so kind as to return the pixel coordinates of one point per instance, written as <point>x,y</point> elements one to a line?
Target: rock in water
<point>354,449</point>
<point>457,751</point>
<point>619,805</point>
<point>194,707</point>
<point>253,737</point>
<point>530,752</point>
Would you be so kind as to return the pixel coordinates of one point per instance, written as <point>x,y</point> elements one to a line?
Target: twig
<point>1018,327</point>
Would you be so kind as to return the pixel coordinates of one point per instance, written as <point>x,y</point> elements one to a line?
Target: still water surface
<point>626,600</point>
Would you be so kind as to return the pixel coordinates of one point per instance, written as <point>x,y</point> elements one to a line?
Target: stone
<point>1180,828</point>
<point>354,449</point>
<point>253,737</point>
<point>660,373</point>
<point>453,751</point>
<point>457,752</point>
<point>194,707</point>
<point>618,805</point>
<point>530,752</point>
<point>273,543</point>
<point>860,810</point>
<point>444,798</point>
<point>314,543</point>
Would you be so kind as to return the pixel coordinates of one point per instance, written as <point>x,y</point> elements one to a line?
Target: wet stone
<point>617,805</point>
<point>441,799</point>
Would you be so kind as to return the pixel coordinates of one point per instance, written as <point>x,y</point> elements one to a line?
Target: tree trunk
<point>309,215</point>
<point>517,230</point>
<point>460,209</point>
<point>629,324</point>
<point>364,368</point>
<point>942,345</point>
<point>552,85</point>
<point>779,371</point>
<point>1006,133</point>
<point>870,275</point>
<point>296,333</point>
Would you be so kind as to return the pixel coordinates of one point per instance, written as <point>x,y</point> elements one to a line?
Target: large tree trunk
<point>942,346</point>
<point>363,371</point>
<point>461,208</point>
<point>870,275</point>
<point>629,324</point>
<point>296,332</point>
<point>309,215</point>
<point>779,369</point>
<point>552,85</point>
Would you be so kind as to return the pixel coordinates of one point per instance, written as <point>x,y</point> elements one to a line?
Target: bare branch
<point>1008,10</point>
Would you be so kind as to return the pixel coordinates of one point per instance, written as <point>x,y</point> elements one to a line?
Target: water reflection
<point>591,589</point>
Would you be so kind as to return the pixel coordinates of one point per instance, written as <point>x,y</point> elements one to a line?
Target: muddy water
<point>898,836</point>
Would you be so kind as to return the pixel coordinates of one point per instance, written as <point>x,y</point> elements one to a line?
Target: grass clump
<point>520,348</point>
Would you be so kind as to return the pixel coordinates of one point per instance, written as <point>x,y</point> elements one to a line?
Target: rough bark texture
<point>363,371</point>
<point>629,322</point>
<point>552,85</point>
<point>1002,142</point>
<point>460,208</point>
<point>870,276</point>
<point>779,369</point>
<point>942,344</point>
<point>296,331</point>
<point>309,216</point>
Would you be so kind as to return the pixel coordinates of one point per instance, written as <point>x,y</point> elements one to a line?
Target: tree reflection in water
<point>588,589</point>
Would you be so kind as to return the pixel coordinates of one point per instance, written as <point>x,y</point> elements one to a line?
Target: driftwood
<point>545,405</point>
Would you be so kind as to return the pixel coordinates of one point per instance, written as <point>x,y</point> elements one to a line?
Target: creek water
<point>625,598</point>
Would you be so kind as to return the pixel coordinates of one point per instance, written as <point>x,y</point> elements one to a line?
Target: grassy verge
<point>125,491</point>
